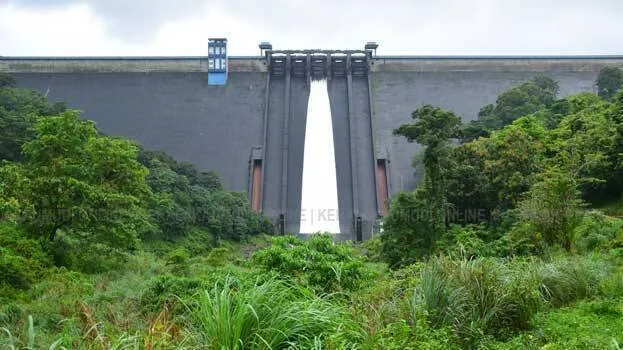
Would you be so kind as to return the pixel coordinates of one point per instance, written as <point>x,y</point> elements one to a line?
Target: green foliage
<point>169,291</point>
<point>584,140</point>
<point>417,220</point>
<point>7,81</point>
<point>476,297</point>
<point>218,256</point>
<point>83,182</point>
<point>401,335</point>
<point>179,261</point>
<point>471,241</point>
<point>13,183</point>
<point>597,231</point>
<point>184,197</point>
<point>83,189</point>
<point>587,325</point>
<point>552,208</point>
<point>432,126</point>
<point>564,281</point>
<point>518,101</point>
<point>609,81</point>
<point>268,315</point>
<point>484,299</point>
<point>22,261</point>
<point>372,249</point>
<point>173,220</point>
<point>491,174</point>
<point>318,263</point>
<point>19,109</point>
<point>408,229</point>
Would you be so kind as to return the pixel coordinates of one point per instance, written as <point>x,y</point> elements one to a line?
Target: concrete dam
<point>251,131</point>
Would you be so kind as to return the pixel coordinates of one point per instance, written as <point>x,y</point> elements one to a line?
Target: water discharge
<point>319,205</point>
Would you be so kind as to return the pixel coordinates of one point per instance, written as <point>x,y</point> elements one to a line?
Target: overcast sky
<point>181,27</point>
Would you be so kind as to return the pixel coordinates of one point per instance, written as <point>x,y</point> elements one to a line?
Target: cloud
<point>135,20</point>
<point>401,26</point>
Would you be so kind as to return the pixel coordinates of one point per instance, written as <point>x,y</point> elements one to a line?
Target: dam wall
<point>251,131</point>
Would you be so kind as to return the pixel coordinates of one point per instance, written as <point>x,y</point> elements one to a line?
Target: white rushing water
<point>319,206</point>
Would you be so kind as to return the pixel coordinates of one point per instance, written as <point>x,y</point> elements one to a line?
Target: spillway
<point>319,203</point>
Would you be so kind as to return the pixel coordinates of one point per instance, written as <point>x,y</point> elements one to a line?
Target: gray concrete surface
<point>214,127</point>
<point>165,103</point>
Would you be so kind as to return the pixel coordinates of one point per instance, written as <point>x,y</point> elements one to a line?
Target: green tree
<point>584,144</point>
<point>173,220</point>
<point>19,109</point>
<point>7,81</point>
<point>86,186</point>
<point>432,127</point>
<point>609,81</point>
<point>409,234</point>
<point>552,207</point>
<point>615,115</point>
<point>13,184</point>
<point>524,99</point>
<point>492,173</point>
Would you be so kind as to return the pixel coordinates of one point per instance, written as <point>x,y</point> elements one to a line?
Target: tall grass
<point>492,297</point>
<point>268,315</point>
<point>476,297</point>
<point>566,280</point>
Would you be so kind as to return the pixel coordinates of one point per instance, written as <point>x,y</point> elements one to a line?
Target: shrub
<point>522,239</point>
<point>409,234</point>
<point>319,263</point>
<point>597,231</point>
<point>172,220</point>
<point>552,207</point>
<point>465,240</point>
<point>218,256</point>
<point>169,290</point>
<point>371,249</point>
<point>178,260</point>
<point>487,297</point>
<point>84,256</point>
<point>22,260</point>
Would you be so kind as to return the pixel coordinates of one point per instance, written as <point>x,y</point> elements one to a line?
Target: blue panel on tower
<point>217,61</point>
<point>217,78</point>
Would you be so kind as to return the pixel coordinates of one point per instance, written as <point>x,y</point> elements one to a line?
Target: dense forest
<point>512,240</point>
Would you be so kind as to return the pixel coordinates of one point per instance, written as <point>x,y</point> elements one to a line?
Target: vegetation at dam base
<point>104,244</point>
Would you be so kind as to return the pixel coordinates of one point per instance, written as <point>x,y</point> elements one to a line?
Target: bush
<point>172,220</point>
<point>522,239</point>
<point>22,260</point>
<point>178,260</point>
<point>218,256</point>
<point>84,256</point>
<point>597,231</point>
<point>552,208</point>
<point>472,241</point>
<point>409,234</point>
<point>169,290</point>
<point>319,263</point>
